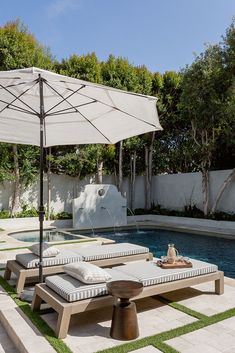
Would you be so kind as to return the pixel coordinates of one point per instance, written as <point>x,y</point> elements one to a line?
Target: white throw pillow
<point>87,273</point>
<point>47,250</point>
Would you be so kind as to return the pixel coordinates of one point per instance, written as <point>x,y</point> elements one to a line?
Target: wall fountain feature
<point>99,206</point>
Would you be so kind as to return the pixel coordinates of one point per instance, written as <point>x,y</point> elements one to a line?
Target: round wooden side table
<point>124,320</point>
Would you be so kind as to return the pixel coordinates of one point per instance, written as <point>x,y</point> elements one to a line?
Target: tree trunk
<point>49,186</point>
<point>120,174</point>
<point>148,171</point>
<point>16,191</point>
<point>221,190</point>
<point>205,190</point>
<point>133,176</point>
<point>99,175</point>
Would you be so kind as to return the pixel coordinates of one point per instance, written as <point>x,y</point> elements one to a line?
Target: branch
<point>222,188</point>
<point>194,131</point>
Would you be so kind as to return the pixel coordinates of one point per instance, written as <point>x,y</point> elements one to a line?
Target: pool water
<point>48,236</point>
<point>216,250</point>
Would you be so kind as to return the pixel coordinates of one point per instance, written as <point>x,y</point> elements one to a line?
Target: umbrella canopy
<point>74,111</point>
<point>41,108</point>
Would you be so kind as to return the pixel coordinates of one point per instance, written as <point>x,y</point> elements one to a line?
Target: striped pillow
<point>47,250</point>
<point>87,273</point>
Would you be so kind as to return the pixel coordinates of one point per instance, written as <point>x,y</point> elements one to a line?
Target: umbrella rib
<point>108,105</point>
<point>18,98</point>
<point>100,86</point>
<point>21,110</point>
<point>76,110</point>
<point>94,126</point>
<point>67,110</point>
<point>63,98</point>
<point>120,110</point>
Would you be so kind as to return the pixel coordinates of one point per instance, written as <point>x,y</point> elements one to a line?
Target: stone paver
<point>203,299</point>
<point>217,338</point>
<point>89,332</point>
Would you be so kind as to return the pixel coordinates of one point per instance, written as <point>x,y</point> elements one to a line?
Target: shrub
<point>5,214</point>
<point>189,211</point>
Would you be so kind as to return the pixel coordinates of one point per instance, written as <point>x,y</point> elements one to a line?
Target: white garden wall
<point>172,191</point>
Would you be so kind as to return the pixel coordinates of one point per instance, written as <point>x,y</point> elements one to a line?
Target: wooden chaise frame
<point>65,309</point>
<point>23,274</point>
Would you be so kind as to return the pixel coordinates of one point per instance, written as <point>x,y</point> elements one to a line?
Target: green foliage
<point>27,212</point>
<point>145,78</point>
<point>19,48</point>
<point>202,94</point>
<point>85,67</point>
<point>205,90</point>
<point>119,73</point>
<point>5,214</point>
<point>191,211</point>
<point>28,159</point>
<point>61,215</point>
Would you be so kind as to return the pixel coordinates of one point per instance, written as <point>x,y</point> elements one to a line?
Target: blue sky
<point>161,34</point>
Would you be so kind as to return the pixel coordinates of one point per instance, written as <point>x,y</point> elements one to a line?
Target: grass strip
<point>163,347</point>
<point>158,340</point>
<point>2,241</point>
<point>36,319</point>
<point>182,308</point>
<point>154,340</point>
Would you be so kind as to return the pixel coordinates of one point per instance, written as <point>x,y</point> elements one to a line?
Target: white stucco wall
<point>170,191</point>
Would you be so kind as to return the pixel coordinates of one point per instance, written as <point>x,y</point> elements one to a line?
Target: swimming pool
<point>216,250</point>
<point>48,236</point>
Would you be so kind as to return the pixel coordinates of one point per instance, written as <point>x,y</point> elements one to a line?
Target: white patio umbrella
<point>41,108</point>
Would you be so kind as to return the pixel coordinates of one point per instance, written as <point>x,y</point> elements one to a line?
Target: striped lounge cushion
<point>31,260</point>
<point>72,289</point>
<point>149,273</point>
<point>92,253</point>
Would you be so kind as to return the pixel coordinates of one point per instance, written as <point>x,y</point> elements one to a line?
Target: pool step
<point>19,328</point>
<point>23,335</point>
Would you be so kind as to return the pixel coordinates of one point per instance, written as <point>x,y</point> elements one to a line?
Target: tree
<point>204,97</point>
<point>131,146</point>
<point>84,67</point>
<point>19,49</point>
<point>119,73</point>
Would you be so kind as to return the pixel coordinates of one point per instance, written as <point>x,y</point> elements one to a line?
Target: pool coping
<point>222,229</point>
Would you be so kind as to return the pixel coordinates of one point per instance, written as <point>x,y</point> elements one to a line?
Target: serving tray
<point>176,264</point>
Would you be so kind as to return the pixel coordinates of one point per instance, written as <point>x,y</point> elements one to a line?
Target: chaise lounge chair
<point>68,296</point>
<point>26,265</point>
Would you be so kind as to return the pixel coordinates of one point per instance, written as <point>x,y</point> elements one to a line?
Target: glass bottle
<point>172,254</point>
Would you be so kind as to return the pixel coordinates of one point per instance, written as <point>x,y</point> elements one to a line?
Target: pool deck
<point>89,332</point>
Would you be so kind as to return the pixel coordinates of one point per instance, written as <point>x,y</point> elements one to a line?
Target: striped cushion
<point>31,260</point>
<point>97,252</point>
<point>149,273</point>
<point>72,289</point>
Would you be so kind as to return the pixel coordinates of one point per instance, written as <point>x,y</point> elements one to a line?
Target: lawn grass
<point>36,319</point>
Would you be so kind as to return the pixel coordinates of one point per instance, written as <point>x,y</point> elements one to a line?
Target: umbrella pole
<point>41,206</point>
